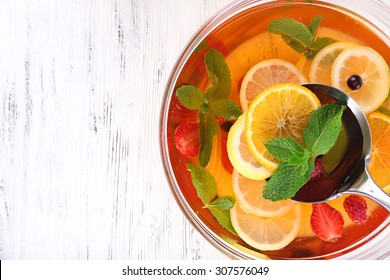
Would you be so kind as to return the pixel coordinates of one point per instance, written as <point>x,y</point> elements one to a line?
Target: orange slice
<point>265,74</point>
<point>215,167</point>
<point>303,65</point>
<point>264,233</point>
<point>249,194</point>
<point>379,166</point>
<point>279,111</point>
<point>239,154</point>
<point>370,66</point>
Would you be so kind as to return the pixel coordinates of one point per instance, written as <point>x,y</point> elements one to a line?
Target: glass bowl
<point>235,31</point>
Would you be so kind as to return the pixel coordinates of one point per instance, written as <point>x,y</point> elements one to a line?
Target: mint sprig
<point>302,38</point>
<point>297,161</point>
<point>206,189</point>
<point>213,103</point>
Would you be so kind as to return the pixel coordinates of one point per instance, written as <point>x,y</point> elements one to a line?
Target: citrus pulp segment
<point>249,194</point>
<point>239,154</point>
<point>321,66</point>
<point>379,166</point>
<point>373,72</point>
<point>265,74</point>
<point>266,233</point>
<point>279,111</point>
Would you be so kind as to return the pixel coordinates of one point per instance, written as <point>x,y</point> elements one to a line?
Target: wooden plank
<point>81,87</point>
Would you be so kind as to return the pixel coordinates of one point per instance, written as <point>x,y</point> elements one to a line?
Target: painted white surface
<point>81,83</point>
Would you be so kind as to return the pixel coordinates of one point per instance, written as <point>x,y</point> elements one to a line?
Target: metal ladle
<point>351,175</point>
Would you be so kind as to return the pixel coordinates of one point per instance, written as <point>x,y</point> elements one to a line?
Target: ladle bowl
<point>351,175</point>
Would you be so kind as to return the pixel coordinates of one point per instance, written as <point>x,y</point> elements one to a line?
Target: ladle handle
<point>367,187</point>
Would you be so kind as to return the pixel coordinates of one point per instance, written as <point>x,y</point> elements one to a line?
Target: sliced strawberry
<point>326,222</point>
<point>186,138</point>
<point>356,208</point>
<point>224,155</point>
<point>178,113</point>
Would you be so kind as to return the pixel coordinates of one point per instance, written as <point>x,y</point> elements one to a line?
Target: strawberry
<point>318,168</point>
<point>186,137</point>
<point>326,222</point>
<point>224,155</point>
<point>356,208</point>
<point>179,113</point>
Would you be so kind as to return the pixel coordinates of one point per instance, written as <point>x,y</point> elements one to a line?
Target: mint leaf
<point>305,159</point>
<point>213,103</point>
<point>202,45</point>
<point>226,109</point>
<point>323,128</point>
<point>287,180</point>
<point>297,162</point>
<point>190,97</point>
<point>219,75</point>
<point>300,37</point>
<point>223,203</point>
<point>220,208</point>
<point>319,44</point>
<point>292,29</point>
<point>208,128</point>
<point>204,183</point>
<point>296,45</point>
<point>314,24</point>
<point>285,149</point>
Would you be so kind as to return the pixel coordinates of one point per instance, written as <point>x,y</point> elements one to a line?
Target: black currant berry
<point>355,82</point>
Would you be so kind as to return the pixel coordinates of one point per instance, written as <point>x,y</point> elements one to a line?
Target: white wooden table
<point>81,84</point>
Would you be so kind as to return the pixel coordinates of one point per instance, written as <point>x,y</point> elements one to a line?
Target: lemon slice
<point>279,111</point>
<point>379,166</point>
<point>249,194</point>
<point>266,233</point>
<point>239,154</point>
<point>387,189</point>
<point>372,70</point>
<point>265,74</point>
<point>321,66</point>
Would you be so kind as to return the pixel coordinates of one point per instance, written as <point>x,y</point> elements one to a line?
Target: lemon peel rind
<point>266,246</point>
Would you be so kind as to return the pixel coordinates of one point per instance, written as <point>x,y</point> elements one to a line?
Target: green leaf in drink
<point>204,183</point>
<point>297,162</point>
<point>285,148</point>
<point>323,128</point>
<point>220,208</point>
<point>226,109</point>
<point>300,37</point>
<point>190,97</point>
<point>219,75</point>
<point>286,181</point>
<point>292,29</point>
<point>208,128</point>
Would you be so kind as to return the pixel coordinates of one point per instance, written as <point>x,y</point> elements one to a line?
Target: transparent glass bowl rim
<point>377,244</point>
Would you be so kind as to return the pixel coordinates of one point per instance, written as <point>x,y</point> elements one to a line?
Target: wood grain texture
<point>81,85</point>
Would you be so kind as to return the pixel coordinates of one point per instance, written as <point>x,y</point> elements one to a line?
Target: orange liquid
<point>244,41</point>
